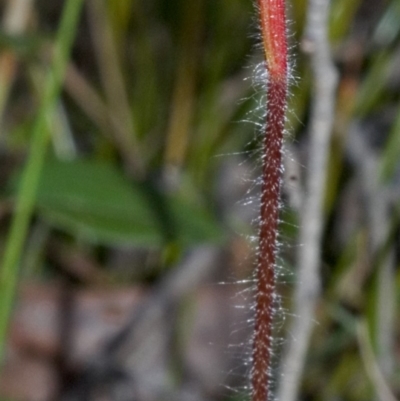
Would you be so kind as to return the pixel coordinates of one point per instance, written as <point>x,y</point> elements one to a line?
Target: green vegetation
<point>127,153</point>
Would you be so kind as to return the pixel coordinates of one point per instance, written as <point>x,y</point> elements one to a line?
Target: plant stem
<point>273,27</point>
<point>30,177</point>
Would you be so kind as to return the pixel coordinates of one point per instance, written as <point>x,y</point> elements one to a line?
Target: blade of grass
<point>390,156</point>
<point>31,174</point>
<point>183,99</point>
<point>113,82</point>
<point>374,373</point>
<point>96,109</point>
<point>341,18</point>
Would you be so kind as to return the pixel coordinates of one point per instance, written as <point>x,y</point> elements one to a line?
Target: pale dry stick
<point>15,21</point>
<point>374,373</point>
<point>113,82</point>
<point>307,290</point>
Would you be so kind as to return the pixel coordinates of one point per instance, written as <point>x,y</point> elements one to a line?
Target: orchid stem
<point>273,27</point>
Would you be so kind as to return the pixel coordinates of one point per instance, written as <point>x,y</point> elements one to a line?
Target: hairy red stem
<point>273,27</point>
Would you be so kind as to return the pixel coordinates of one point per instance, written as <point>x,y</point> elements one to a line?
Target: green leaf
<point>93,200</point>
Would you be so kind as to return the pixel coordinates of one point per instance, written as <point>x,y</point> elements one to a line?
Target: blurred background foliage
<point>124,176</point>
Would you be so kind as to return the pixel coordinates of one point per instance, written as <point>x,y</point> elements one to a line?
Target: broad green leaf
<point>94,201</point>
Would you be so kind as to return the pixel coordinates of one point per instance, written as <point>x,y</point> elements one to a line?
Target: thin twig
<point>307,291</point>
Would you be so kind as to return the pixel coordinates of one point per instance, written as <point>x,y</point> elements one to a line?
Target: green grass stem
<point>25,201</point>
